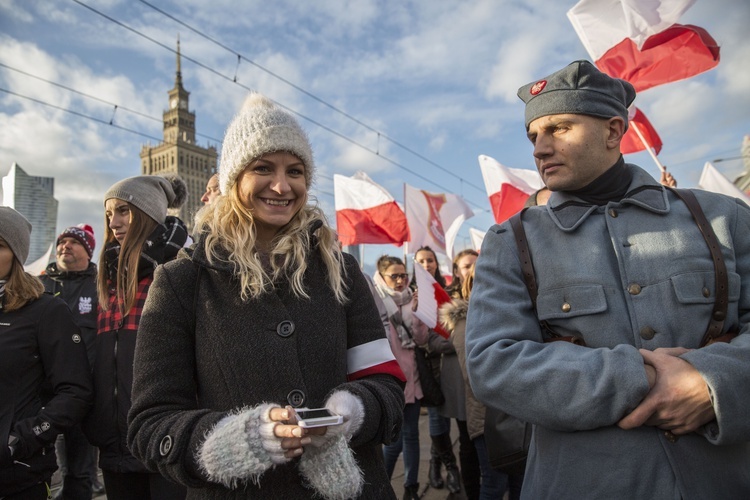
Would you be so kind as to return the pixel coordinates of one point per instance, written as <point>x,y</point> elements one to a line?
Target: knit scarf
<point>393,301</point>
<point>2,292</point>
<point>161,246</point>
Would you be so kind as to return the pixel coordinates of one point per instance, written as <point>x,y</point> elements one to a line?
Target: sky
<point>407,91</point>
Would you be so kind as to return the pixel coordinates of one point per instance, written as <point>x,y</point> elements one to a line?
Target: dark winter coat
<point>39,345</point>
<point>203,353</point>
<point>107,425</point>
<point>78,290</point>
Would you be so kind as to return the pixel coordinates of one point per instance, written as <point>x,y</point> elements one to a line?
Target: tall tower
<point>179,153</point>
<point>33,198</point>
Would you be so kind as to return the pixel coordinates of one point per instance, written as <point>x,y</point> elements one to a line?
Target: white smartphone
<point>317,417</point>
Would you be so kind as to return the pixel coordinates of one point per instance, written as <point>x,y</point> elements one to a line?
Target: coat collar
<point>568,211</point>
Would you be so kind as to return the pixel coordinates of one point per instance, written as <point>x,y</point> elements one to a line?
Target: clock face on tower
<point>173,103</point>
<point>183,104</point>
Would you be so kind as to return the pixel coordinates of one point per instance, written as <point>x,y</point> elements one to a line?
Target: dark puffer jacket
<point>40,345</point>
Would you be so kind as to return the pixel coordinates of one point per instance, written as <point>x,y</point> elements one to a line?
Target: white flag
<point>712,180</point>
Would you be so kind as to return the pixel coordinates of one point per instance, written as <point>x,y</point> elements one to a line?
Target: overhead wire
<point>291,110</point>
<point>307,93</point>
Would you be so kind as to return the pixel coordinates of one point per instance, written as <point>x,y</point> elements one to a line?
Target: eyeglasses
<point>396,277</point>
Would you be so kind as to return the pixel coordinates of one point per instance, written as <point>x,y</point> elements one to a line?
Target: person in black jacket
<point>41,351</point>
<point>139,237</point>
<point>72,277</point>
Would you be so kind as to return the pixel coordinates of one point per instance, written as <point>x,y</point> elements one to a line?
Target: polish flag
<point>366,212</point>
<point>639,40</point>
<point>372,358</point>
<point>631,142</point>
<point>434,218</point>
<point>431,297</point>
<point>507,188</point>
<point>477,237</point>
<point>713,180</point>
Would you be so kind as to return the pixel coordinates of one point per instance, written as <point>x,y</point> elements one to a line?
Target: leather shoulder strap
<point>527,267</point>
<point>719,314</point>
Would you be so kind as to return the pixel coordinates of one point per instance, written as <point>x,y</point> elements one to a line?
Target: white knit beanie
<point>259,128</point>
<point>153,194</point>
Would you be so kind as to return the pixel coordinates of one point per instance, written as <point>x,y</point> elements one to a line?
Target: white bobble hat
<point>259,128</point>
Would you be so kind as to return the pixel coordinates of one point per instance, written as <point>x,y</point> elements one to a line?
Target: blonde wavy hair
<point>229,227</point>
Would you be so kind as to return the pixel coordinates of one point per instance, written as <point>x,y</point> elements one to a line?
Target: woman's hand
<point>294,437</point>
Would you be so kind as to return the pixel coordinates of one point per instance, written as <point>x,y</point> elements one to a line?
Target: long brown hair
<point>468,283</point>
<point>126,287</point>
<point>21,288</point>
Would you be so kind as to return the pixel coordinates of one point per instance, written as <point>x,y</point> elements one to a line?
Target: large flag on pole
<point>366,212</point>
<point>713,180</point>
<point>631,142</point>
<point>639,40</point>
<point>434,218</point>
<point>507,188</point>
<point>431,297</point>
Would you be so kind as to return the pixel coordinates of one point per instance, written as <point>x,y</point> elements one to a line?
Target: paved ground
<point>426,492</point>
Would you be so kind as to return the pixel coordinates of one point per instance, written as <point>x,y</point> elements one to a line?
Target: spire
<point>178,76</point>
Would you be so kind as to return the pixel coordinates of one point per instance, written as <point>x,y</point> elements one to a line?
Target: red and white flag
<point>366,212</point>
<point>713,180</point>
<point>507,188</point>
<point>372,358</point>
<point>477,237</point>
<point>434,218</point>
<point>431,297</point>
<point>639,40</point>
<point>632,142</point>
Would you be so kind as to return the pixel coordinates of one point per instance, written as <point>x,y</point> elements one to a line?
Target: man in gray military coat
<point>642,410</point>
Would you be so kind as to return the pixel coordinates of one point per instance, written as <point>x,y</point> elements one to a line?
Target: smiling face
<point>118,217</point>
<point>572,150</point>
<point>71,255</point>
<point>6,259</point>
<point>427,260</point>
<point>273,189</point>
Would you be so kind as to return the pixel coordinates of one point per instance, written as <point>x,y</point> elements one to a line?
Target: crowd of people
<point>609,315</point>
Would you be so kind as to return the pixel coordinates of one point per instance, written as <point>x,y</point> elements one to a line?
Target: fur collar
<point>452,312</point>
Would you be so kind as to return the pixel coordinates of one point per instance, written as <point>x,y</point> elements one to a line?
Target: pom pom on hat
<point>15,230</point>
<point>579,88</point>
<point>83,233</point>
<point>152,194</point>
<point>261,127</point>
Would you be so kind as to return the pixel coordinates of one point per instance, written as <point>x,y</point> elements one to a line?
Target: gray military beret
<point>579,88</point>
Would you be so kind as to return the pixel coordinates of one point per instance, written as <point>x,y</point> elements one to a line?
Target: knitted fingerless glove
<point>331,469</point>
<point>241,446</point>
<point>328,465</point>
<point>350,407</point>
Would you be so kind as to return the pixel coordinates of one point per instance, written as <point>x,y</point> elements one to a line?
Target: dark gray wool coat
<point>202,353</point>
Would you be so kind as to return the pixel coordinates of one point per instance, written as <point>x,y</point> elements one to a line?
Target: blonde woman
<point>265,315</point>
<point>45,383</point>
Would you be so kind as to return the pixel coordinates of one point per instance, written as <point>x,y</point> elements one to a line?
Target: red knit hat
<point>83,233</point>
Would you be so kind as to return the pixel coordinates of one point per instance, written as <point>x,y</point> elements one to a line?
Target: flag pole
<point>648,147</point>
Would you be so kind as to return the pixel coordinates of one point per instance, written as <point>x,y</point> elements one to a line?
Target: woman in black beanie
<point>45,383</point>
<point>139,237</point>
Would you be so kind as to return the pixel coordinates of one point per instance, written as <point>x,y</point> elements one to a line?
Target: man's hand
<point>678,400</point>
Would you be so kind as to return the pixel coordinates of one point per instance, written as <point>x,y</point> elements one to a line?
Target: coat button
<point>285,328</point>
<point>706,292</point>
<point>671,437</point>
<point>296,398</point>
<point>634,289</point>
<point>565,307</point>
<point>647,333</point>
<point>613,213</point>
<point>165,446</point>
<point>76,338</point>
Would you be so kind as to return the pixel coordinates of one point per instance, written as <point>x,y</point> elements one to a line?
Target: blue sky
<point>435,78</point>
